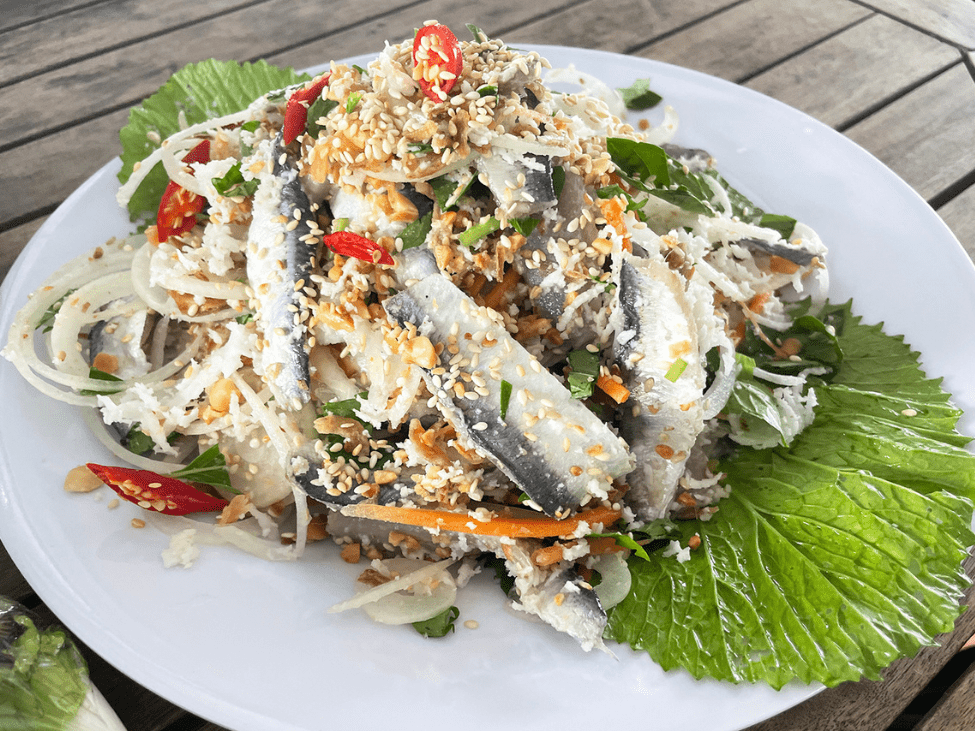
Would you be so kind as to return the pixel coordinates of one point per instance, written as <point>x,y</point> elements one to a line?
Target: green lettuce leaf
<point>199,91</point>
<point>831,559</point>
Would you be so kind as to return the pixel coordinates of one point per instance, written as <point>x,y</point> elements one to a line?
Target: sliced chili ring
<point>178,206</point>
<point>437,60</point>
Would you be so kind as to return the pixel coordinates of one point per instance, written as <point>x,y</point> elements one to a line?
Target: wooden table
<point>896,76</point>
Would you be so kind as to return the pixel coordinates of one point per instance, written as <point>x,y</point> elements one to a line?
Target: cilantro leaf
<point>100,375</point>
<point>440,625</point>
<point>233,183</point>
<point>415,234</point>
<point>638,95</point>
<point>584,371</point>
<point>200,91</point>
<point>318,110</point>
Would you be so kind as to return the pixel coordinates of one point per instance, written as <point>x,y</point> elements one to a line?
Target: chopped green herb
<point>346,408</point>
<point>317,112</point>
<point>47,319</point>
<point>608,286</point>
<point>448,192</point>
<point>360,69</point>
<point>210,468</point>
<point>479,35</point>
<point>638,96</point>
<point>439,626</point>
<point>137,441</point>
<point>352,102</point>
<point>487,90</point>
<point>625,540</point>
<point>100,375</point>
<point>340,224</point>
<point>584,367</point>
<point>245,318</point>
<point>558,180</point>
<point>785,225</point>
<point>251,126</point>
<point>233,183</point>
<point>675,370</point>
<point>477,232</point>
<point>505,397</point>
<point>524,226</point>
<point>415,234</point>
<point>419,148</point>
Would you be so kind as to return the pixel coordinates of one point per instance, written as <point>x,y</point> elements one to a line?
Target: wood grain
<point>959,214</point>
<point>926,135</point>
<point>17,13</point>
<point>495,20</point>
<point>956,710</point>
<point>59,40</point>
<point>747,38</point>
<point>950,20</point>
<point>838,79</point>
<point>621,27</point>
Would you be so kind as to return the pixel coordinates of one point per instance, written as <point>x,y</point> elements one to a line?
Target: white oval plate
<point>247,644</point>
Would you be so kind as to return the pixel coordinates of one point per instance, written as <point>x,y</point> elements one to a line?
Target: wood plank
<point>12,584</point>
<point>959,214</point>
<point>950,20</point>
<point>873,705</point>
<point>494,19</point>
<point>926,136</point>
<point>124,76</point>
<point>12,241</point>
<point>17,13</point>
<point>872,62</point>
<point>620,27</point>
<point>70,36</point>
<point>718,47</point>
<point>956,710</point>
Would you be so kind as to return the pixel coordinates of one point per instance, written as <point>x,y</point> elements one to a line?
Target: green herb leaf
<point>245,318</point>
<point>251,126</point>
<point>346,408</point>
<point>43,676</point>
<point>828,560</point>
<point>505,397</point>
<point>317,113</point>
<point>487,90</point>
<point>583,374</point>
<point>361,70</point>
<point>354,98</point>
<point>479,35</point>
<point>439,626</point>
<point>415,234</point>
<point>210,468</point>
<point>785,225</point>
<point>233,183</point>
<point>419,148</point>
<point>558,180</point>
<point>625,540</point>
<point>448,192</point>
<point>638,95</point>
<point>100,375</point>
<point>46,323</point>
<point>524,226</point>
<point>137,441</point>
<point>340,224</point>
<point>199,91</point>
<point>478,231</point>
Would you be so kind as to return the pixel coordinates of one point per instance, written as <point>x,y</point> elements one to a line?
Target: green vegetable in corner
<point>210,468</point>
<point>828,560</point>
<point>199,91</point>
<point>43,677</point>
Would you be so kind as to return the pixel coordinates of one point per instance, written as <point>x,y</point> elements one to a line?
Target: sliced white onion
<point>616,579</point>
<point>418,607</point>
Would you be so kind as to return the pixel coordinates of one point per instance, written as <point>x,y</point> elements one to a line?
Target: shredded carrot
<point>613,388</point>
<point>501,525</point>
<point>613,211</point>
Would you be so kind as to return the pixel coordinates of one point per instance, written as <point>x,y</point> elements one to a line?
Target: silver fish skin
<point>547,443</point>
<point>503,169</point>
<point>280,256</point>
<point>663,416</point>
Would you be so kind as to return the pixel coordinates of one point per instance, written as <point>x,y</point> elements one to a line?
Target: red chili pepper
<point>157,492</point>
<point>347,243</point>
<point>179,206</point>
<point>296,111</point>
<point>437,60</point>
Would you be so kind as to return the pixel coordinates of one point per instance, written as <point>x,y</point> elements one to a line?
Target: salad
<point>454,321</point>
